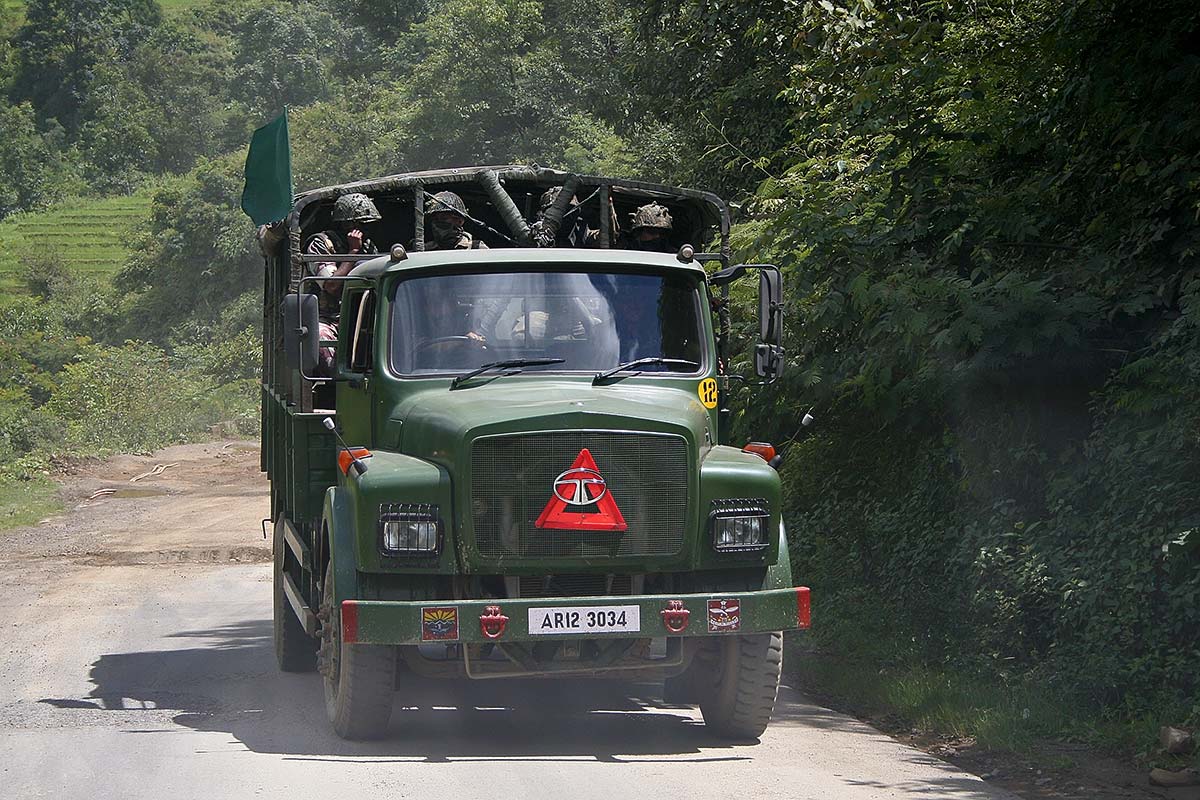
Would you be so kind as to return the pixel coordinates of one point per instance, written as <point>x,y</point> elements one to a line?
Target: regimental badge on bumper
<point>724,616</point>
<point>439,624</point>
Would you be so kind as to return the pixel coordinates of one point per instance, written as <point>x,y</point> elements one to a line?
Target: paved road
<point>123,679</point>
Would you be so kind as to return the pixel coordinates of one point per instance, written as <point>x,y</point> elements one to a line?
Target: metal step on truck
<point>497,447</point>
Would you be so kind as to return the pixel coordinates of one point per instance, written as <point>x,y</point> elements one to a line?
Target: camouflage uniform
<point>656,220</point>
<point>327,243</point>
<point>465,241</point>
<point>573,230</point>
<point>451,236</point>
<point>349,210</point>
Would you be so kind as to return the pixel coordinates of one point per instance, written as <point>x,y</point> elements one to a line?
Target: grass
<point>90,236</point>
<point>168,6</point>
<point>24,502</point>
<point>879,680</point>
<point>180,5</point>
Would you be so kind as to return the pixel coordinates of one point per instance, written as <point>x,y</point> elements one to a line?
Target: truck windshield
<point>592,320</point>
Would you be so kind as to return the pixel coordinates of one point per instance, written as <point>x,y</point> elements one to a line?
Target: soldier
<point>351,213</point>
<point>651,229</point>
<point>572,231</point>
<point>445,214</point>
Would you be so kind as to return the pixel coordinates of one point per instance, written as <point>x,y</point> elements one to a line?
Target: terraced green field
<point>168,6</point>
<point>90,236</point>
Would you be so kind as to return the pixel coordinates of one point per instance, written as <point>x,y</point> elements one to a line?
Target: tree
<point>491,81</point>
<point>184,71</point>
<point>283,55</point>
<point>388,20</point>
<point>60,44</point>
<point>197,254</point>
<point>709,75</point>
<point>32,173</point>
<point>116,137</point>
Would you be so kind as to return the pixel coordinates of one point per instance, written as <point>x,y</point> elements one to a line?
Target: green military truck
<point>514,464</point>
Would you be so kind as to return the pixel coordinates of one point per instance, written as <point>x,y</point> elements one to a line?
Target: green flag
<point>267,196</point>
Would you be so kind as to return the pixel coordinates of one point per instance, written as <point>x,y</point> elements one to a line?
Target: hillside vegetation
<point>89,237</point>
<point>988,215</point>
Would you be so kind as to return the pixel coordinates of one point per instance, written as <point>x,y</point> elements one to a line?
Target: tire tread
<point>738,702</point>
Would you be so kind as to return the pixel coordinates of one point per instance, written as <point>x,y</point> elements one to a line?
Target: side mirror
<point>301,332</point>
<point>770,306</point>
<point>768,353</point>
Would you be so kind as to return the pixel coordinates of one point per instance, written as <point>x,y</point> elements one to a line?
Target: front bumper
<point>508,620</point>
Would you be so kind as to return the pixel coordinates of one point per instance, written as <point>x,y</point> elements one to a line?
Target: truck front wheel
<point>737,690</point>
<point>359,678</point>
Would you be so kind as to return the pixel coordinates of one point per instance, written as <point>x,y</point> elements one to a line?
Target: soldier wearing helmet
<point>445,215</point>
<point>351,213</point>
<point>651,229</point>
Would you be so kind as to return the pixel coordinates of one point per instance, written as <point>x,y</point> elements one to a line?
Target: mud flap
<point>339,522</point>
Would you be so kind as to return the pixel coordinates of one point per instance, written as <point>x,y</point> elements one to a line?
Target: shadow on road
<point>224,681</point>
<point>230,684</point>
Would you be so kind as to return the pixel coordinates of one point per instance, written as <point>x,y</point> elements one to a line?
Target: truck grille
<point>512,479</point>
<point>574,585</point>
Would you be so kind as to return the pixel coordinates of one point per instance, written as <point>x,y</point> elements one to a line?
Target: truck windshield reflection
<point>594,321</point>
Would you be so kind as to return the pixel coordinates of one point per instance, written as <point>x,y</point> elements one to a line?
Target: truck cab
<point>515,464</point>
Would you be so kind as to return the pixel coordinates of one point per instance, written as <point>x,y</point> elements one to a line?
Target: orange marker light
<point>346,457</point>
<point>761,449</point>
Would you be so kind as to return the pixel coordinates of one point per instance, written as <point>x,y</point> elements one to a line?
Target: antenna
<point>358,465</point>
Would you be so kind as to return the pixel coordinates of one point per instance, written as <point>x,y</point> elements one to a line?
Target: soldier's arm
<point>322,245</point>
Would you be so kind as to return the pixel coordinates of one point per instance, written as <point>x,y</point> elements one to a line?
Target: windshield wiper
<point>516,364</point>
<point>670,362</point>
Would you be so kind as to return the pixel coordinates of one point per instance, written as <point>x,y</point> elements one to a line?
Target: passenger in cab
<point>351,214</point>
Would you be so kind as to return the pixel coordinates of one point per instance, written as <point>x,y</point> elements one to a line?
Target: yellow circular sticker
<point>708,392</point>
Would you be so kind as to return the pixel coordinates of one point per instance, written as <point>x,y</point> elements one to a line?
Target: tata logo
<point>579,486</point>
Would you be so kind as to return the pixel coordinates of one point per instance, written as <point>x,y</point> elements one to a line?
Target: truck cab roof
<point>483,259</point>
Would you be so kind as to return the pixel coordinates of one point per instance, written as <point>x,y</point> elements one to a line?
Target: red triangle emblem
<point>581,486</point>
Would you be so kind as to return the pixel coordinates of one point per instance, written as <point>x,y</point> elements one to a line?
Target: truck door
<point>357,357</point>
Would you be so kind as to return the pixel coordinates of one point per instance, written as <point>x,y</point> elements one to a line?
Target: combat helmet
<point>355,208</point>
<point>444,202</point>
<point>652,215</point>
<point>548,198</point>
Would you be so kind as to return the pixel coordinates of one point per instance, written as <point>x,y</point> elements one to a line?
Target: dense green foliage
<point>988,213</point>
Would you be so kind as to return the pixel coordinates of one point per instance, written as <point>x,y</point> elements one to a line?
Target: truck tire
<point>738,694</point>
<point>359,678</point>
<point>295,650</point>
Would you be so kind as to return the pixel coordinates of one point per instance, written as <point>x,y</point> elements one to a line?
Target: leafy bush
<point>987,216</point>
<point>127,399</point>
<point>226,359</point>
<point>34,172</point>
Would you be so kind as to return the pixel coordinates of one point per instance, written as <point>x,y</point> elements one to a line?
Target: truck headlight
<point>409,529</point>
<point>739,525</point>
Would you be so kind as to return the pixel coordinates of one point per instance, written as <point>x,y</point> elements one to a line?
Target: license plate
<point>585,619</point>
